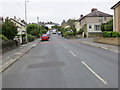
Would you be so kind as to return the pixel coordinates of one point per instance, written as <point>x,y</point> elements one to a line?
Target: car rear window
<point>44,35</point>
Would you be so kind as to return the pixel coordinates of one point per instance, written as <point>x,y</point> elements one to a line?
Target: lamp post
<point>26,19</point>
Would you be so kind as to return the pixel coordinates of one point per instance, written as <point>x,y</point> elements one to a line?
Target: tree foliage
<point>31,27</point>
<point>107,26</point>
<point>9,29</point>
<point>36,30</point>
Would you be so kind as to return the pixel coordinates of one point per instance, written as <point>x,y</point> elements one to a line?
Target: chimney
<point>93,9</point>
<point>14,17</point>
<point>19,19</point>
<point>81,15</point>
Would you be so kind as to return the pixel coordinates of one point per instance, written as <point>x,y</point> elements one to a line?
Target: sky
<point>53,10</point>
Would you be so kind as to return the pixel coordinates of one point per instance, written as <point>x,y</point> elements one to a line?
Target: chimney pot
<point>81,15</point>
<point>93,9</point>
<point>14,17</point>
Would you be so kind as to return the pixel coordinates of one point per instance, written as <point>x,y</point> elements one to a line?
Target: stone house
<point>116,8</point>
<point>64,24</point>
<point>91,23</point>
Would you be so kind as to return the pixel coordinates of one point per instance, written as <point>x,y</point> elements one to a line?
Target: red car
<point>45,37</point>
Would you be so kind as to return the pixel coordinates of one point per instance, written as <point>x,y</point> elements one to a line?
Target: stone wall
<point>8,45</point>
<point>95,35</point>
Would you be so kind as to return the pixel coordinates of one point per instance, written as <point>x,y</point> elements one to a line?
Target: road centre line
<point>72,53</point>
<point>101,79</point>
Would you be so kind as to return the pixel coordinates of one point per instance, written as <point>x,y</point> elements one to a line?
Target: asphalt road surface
<point>62,63</point>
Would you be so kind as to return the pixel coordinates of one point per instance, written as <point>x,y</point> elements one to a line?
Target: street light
<point>26,18</point>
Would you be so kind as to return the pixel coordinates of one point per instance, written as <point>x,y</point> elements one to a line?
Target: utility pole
<point>26,19</point>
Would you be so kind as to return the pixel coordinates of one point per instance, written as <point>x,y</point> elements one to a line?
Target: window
<point>97,27</point>
<point>90,26</point>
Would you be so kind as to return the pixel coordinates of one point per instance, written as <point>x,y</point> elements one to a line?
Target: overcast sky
<point>53,10</point>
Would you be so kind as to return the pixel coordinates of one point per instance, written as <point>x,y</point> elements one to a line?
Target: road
<point>62,63</point>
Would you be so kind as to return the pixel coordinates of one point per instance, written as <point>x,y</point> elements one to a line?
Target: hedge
<point>68,34</point>
<point>3,38</point>
<point>111,34</point>
<point>30,38</point>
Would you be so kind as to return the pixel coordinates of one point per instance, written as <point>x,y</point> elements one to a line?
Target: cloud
<point>54,10</point>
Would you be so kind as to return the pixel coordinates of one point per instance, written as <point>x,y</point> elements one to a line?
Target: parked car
<point>54,31</point>
<point>45,37</point>
<point>59,32</point>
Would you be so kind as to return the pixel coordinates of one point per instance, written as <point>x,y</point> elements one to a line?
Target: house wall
<point>21,30</point>
<point>92,29</point>
<point>94,21</point>
<point>77,26</point>
<point>117,19</point>
<point>64,24</point>
<point>97,19</point>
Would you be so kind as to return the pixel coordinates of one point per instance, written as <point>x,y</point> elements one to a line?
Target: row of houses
<point>91,23</point>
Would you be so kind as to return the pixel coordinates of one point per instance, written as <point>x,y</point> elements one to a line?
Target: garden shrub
<point>111,34</point>
<point>3,38</point>
<point>30,38</point>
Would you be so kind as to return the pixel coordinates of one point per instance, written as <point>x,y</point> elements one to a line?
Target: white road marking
<point>72,53</point>
<point>95,73</point>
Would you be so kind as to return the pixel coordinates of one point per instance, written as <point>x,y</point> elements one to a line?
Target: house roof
<point>117,4</point>
<point>96,13</point>
<point>18,22</point>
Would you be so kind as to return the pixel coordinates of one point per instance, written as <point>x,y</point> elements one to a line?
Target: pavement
<point>89,41</point>
<point>63,63</point>
<point>13,55</point>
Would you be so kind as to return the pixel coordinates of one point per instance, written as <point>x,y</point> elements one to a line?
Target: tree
<point>55,27</point>
<point>107,26</point>
<point>31,27</point>
<point>9,29</point>
<point>35,32</point>
<point>72,25</point>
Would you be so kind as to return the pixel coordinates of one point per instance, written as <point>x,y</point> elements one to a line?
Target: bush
<point>115,34</point>
<point>2,37</point>
<point>68,34</point>
<point>30,38</point>
<point>35,32</point>
<point>111,34</point>
<point>107,26</point>
<point>80,31</point>
<point>9,29</point>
